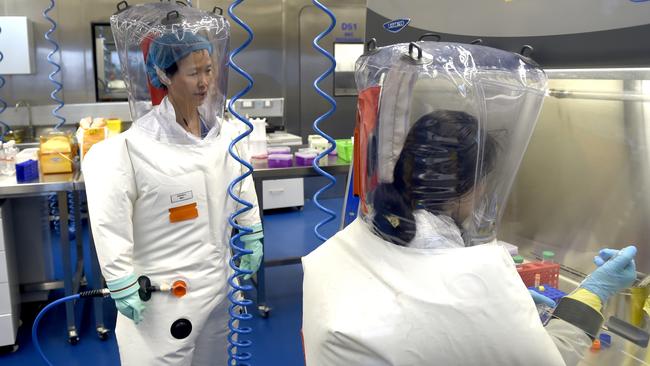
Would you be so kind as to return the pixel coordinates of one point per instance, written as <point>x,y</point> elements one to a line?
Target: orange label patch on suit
<point>182,213</point>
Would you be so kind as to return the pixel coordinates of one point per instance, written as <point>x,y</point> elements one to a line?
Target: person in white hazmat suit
<point>157,193</point>
<point>418,278</point>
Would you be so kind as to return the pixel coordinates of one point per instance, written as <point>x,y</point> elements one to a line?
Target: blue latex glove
<point>125,293</point>
<point>252,241</point>
<point>540,299</point>
<point>616,271</point>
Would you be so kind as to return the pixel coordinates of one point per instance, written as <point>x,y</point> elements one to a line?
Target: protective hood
<point>442,127</point>
<point>178,52</point>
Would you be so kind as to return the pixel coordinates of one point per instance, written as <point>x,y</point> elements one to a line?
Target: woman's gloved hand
<point>125,293</point>
<point>616,271</point>
<point>540,299</point>
<point>252,241</point>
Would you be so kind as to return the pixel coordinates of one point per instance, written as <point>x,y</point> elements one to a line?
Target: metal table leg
<point>97,282</point>
<point>79,268</point>
<point>73,336</point>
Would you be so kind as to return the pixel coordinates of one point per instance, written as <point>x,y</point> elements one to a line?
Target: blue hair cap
<point>171,48</point>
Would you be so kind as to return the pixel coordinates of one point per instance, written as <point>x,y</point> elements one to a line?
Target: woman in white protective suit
<point>418,279</point>
<point>157,193</point>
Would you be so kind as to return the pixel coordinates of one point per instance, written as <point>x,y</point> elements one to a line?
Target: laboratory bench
<point>59,184</point>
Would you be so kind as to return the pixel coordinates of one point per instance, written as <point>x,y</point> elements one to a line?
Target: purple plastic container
<point>280,160</point>
<point>305,158</point>
<point>27,171</point>
<point>278,150</point>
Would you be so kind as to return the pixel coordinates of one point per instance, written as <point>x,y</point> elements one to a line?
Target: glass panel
<point>109,84</point>
<point>346,55</point>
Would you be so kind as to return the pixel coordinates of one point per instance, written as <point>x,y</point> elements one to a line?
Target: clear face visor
<point>447,138</point>
<point>175,52</point>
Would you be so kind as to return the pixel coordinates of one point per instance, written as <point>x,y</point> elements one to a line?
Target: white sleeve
<point>571,341</point>
<point>111,192</point>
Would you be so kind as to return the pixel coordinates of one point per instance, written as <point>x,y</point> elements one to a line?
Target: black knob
<point>145,288</point>
<point>181,328</point>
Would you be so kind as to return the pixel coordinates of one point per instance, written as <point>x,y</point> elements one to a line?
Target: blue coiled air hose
<point>50,59</point>
<point>57,88</point>
<point>236,350</point>
<point>332,181</point>
<point>84,294</point>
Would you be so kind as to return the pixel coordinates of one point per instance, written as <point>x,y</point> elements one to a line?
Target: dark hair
<point>170,71</point>
<point>436,166</point>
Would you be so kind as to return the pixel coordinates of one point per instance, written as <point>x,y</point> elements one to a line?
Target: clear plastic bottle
<point>548,256</point>
<point>9,158</point>
<point>519,261</point>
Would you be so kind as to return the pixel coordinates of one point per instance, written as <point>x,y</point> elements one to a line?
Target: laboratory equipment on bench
<point>8,158</point>
<point>281,138</point>
<point>90,131</point>
<point>305,158</point>
<point>344,149</point>
<point>279,150</point>
<point>27,165</point>
<point>280,161</point>
<point>56,153</point>
<point>177,288</point>
<point>537,273</point>
<point>257,139</point>
<point>550,292</point>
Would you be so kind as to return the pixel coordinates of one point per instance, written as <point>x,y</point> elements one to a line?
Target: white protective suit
<point>371,302</point>
<point>132,181</point>
<point>417,279</point>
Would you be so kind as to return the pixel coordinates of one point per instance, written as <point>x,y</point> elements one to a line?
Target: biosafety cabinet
<point>583,181</point>
<point>9,293</point>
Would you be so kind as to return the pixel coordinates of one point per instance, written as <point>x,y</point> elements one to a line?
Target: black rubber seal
<point>579,314</point>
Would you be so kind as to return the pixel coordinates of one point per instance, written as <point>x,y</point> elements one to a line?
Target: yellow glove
<point>587,297</point>
<point>646,307</point>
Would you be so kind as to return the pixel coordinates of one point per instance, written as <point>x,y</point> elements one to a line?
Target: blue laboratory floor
<point>276,340</point>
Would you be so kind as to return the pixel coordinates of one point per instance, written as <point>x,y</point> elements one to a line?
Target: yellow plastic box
<point>56,154</point>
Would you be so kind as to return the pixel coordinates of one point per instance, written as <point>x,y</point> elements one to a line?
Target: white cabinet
<point>281,193</point>
<point>9,300</point>
<point>17,46</point>
<point>8,329</point>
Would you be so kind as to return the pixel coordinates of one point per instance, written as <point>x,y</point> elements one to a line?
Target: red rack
<point>548,273</point>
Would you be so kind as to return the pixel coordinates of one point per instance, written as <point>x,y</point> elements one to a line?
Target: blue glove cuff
<point>254,245</point>
<point>123,287</point>
<point>256,234</point>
